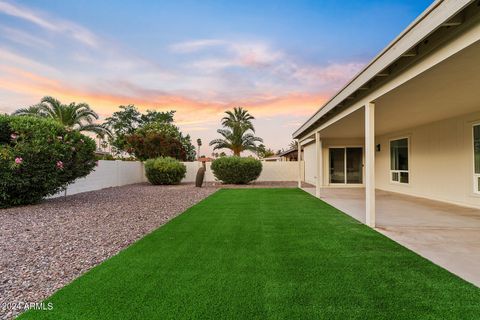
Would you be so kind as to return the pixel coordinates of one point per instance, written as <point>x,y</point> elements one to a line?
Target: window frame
<point>390,162</point>
<point>476,176</point>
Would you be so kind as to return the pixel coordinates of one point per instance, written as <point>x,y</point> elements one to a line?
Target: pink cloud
<point>236,53</point>
<point>22,81</point>
<point>332,74</point>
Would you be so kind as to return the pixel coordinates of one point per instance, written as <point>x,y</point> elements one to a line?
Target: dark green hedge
<point>236,170</point>
<point>165,170</point>
<point>38,158</point>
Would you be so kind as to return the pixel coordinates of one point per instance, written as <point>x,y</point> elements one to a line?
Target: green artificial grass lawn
<point>265,254</point>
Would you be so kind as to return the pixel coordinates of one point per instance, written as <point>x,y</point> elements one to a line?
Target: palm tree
<point>73,116</point>
<point>35,110</point>
<point>235,140</point>
<point>236,133</point>
<point>199,144</point>
<point>240,117</point>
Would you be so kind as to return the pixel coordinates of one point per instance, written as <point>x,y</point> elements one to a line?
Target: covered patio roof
<point>447,90</point>
<point>428,41</point>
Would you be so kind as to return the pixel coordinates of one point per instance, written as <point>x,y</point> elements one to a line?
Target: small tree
<point>152,116</point>
<point>160,140</point>
<point>263,152</point>
<point>124,122</point>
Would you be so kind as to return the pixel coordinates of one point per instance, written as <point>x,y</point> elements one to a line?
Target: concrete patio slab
<point>446,234</point>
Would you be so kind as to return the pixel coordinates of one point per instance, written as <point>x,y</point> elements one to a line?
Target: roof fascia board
<point>425,24</point>
<point>469,36</point>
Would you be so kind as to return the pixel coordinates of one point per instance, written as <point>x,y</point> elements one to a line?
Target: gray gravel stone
<point>43,247</point>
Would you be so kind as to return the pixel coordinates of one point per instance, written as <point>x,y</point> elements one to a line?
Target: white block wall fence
<point>119,173</point>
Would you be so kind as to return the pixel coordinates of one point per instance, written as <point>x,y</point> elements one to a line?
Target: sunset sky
<point>279,59</point>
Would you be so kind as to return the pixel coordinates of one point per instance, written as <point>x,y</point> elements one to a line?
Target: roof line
<point>412,25</point>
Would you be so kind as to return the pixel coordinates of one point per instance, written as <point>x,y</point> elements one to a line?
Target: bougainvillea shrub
<point>39,157</point>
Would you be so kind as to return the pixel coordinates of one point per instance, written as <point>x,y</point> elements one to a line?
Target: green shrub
<point>165,170</point>
<point>236,170</point>
<point>39,157</point>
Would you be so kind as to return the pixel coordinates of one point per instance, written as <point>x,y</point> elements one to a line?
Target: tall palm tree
<point>35,110</point>
<point>239,117</point>
<point>235,140</point>
<point>73,116</point>
<point>199,144</point>
<point>236,133</point>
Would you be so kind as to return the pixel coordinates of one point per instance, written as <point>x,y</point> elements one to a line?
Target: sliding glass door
<point>346,165</point>
<point>476,158</point>
<point>337,165</point>
<point>354,165</point>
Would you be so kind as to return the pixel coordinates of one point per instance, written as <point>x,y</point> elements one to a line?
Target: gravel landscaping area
<point>44,247</point>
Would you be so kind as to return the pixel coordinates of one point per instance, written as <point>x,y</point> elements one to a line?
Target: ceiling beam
<point>410,53</point>
<point>455,21</point>
<point>384,73</point>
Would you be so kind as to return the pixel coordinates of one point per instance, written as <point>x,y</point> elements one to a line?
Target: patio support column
<point>370,164</point>
<point>319,166</point>
<point>299,159</point>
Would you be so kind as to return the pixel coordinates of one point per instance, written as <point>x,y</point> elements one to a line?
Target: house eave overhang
<point>439,14</point>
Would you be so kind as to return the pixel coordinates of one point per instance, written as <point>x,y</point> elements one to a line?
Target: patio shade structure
<point>407,122</point>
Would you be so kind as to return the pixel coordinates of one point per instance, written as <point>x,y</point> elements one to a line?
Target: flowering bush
<point>39,157</point>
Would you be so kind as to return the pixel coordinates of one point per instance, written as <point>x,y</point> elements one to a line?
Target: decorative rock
<point>68,236</point>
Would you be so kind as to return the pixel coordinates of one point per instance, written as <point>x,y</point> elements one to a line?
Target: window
<point>346,165</point>
<point>476,157</point>
<point>399,161</point>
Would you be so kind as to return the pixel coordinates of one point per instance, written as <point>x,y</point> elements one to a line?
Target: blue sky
<point>279,59</point>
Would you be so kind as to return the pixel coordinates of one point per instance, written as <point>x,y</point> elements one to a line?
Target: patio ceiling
<point>447,90</point>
